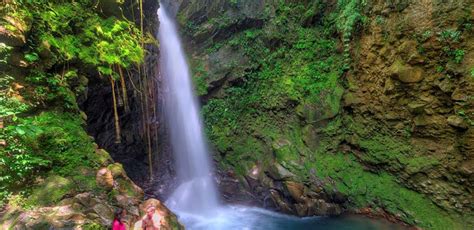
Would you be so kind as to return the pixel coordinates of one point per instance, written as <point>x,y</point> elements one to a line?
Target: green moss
<point>83,183</point>
<point>302,70</point>
<point>52,190</point>
<point>93,226</point>
<point>126,187</point>
<point>200,75</point>
<point>67,35</point>
<point>390,152</point>
<point>116,169</point>
<point>380,190</point>
<point>293,81</point>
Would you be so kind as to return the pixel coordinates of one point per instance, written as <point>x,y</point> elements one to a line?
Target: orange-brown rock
<point>295,189</point>
<point>105,179</point>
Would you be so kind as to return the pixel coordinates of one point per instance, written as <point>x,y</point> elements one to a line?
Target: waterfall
<point>196,193</point>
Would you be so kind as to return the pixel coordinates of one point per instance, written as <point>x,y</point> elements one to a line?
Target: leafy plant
<point>234,2</point>
<point>458,55</point>
<point>379,20</point>
<point>439,69</point>
<point>9,105</point>
<point>31,57</point>
<point>450,36</point>
<point>77,33</point>
<point>349,16</point>
<point>4,52</point>
<point>50,140</point>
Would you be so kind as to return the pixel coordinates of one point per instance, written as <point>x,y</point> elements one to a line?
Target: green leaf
<point>31,57</point>
<point>20,131</point>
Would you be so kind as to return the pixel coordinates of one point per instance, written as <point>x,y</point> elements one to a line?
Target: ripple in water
<point>249,218</point>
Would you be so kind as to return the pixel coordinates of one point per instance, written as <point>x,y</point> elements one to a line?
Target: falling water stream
<point>195,200</point>
<point>196,193</point>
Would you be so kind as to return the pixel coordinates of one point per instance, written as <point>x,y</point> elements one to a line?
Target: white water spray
<point>196,193</point>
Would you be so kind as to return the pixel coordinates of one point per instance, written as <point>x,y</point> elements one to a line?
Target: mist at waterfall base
<point>195,200</point>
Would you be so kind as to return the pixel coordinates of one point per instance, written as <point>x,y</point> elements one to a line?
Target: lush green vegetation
<point>293,84</point>
<point>74,32</point>
<point>302,71</point>
<point>287,96</point>
<point>66,43</point>
<point>51,142</point>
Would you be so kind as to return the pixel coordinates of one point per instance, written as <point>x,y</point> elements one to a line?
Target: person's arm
<point>138,225</point>
<point>156,221</point>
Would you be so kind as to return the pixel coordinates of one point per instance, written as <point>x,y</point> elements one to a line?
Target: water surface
<point>249,218</point>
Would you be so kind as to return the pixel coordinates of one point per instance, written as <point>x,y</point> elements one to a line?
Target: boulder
<point>301,209</point>
<point>103,157</point>
<point>458,122</point>
<point>445,84</point>
<point>278,172</point>
<point>459,95</point>
<point>406,73</point>
<point>51,190</point>
<point>10,38</point>
<point>320,207</point>
<point>85,199</point>
<point>105,212</point>
<point>296,190</point>
<point>105,179</point>
<point>254,172</point>
<point>117,170</point>
<point>416,107</point>
<point>280,203</point>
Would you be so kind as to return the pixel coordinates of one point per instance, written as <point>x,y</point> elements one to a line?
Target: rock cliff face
<point>412,77</point>
<point>320,107</point>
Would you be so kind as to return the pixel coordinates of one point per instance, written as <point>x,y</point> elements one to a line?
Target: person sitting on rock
<point>151,221</point>
<point>118,224</point>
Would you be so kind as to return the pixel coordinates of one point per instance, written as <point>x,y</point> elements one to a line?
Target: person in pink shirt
<point>118,224</point>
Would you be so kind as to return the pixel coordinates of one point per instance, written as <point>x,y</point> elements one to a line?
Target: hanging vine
<point>116,116</point>
<point>124,90</point>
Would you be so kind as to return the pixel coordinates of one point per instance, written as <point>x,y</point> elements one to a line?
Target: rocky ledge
<point>59,202</point>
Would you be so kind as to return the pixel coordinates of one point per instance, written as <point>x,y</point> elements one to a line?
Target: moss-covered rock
<point>372,114</point>
<point>51,191</point>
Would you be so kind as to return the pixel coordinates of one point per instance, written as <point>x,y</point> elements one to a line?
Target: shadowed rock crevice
<point>133,149</point>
